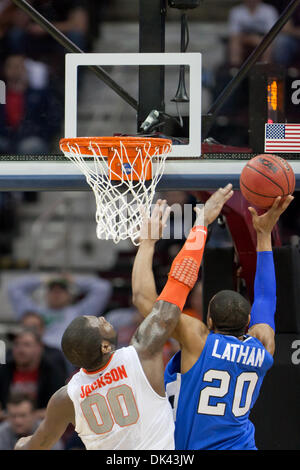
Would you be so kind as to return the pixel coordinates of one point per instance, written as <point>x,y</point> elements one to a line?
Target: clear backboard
<point>191,61</point>
<point>86,106</point>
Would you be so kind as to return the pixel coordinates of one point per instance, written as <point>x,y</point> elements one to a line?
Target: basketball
<point>264,178</point>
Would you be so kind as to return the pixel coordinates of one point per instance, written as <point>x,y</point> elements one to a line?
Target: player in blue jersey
<point>215,378</point>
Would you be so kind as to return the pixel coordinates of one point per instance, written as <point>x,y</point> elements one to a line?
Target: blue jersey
<point>212,401</point>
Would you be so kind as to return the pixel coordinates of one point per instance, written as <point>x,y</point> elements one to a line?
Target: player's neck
<point>104,363</point>
<point>228,333</point>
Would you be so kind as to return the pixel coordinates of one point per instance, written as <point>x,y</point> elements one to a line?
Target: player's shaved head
<point>229,312</point>
<point>82,341</point>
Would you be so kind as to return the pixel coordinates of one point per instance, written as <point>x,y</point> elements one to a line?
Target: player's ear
<point>209,321</point>
<point>106,347</point>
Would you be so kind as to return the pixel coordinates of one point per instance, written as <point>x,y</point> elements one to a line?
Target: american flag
<point>282,138</point>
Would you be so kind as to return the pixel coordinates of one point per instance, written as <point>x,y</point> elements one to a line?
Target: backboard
<point>193,164</point>
<point>192,61</point>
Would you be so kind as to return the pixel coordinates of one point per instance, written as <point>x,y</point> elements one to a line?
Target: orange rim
<point>109,143</point>
<point>135,165</point>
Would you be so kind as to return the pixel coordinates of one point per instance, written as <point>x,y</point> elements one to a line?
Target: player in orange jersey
<point>117,400</point>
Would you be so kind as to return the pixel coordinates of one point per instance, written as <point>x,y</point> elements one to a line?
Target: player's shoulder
<point>250,339</point>
<point>60,407</point>
<point>61,401</point>
<point>265,335</point>
<point>254,341</point>
<point>191,333</point>
<point>193,323</point>
<point>190,329</point>
<point>61,395</point>
<point>125,351</point>
<point>125,355</point>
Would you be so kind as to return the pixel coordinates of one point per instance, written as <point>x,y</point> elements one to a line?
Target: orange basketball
<point>266,177</point>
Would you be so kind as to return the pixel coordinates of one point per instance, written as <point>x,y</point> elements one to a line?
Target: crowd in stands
<point>248,23</point>
<point>32,62</point>
<point>32,67</point>
<point>35,366</point>
<point>21,420</point>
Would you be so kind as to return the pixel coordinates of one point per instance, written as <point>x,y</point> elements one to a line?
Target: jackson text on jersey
<point>114,375</point>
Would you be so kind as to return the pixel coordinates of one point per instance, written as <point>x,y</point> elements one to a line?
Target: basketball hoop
<point>123,173</point>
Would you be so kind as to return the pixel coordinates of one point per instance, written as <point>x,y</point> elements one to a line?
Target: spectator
<point>30,371</point>
<point>21,421</point>
<point>25,36</point>
<point>286,50</point>
<point>28,121</point>
<point>35,321</point>
<point>58,310</point>
<point>37,73</point>
<point>7,11</point>
<point>248,24</point>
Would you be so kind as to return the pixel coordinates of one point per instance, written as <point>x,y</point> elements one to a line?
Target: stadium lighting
<point>267,85</point>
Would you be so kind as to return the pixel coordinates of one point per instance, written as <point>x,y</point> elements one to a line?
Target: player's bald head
<point>83,339</point>
<point>229,312</point>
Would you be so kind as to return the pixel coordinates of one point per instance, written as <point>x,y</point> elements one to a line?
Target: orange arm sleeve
<point>185,268</point>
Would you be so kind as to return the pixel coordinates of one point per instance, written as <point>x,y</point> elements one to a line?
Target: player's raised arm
<point>157,327</point>
<point>182,277</point>
<point>144,292</point>
<point>262,323</point>
<point>59,414</point>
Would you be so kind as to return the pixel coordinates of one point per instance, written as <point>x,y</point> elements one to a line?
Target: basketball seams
<point>283,169</point>
<point>258,194</point>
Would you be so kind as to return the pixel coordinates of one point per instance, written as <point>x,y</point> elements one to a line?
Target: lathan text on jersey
<point>239,353</point>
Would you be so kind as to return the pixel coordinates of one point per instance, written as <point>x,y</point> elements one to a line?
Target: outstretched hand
<point>265,223</point>
<point>153,226</point>
<point>213,206</point>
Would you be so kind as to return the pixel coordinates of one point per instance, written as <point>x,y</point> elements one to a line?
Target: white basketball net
<point>120,205</point>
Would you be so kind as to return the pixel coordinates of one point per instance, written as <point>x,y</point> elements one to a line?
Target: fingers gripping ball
<point>266,177</point>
